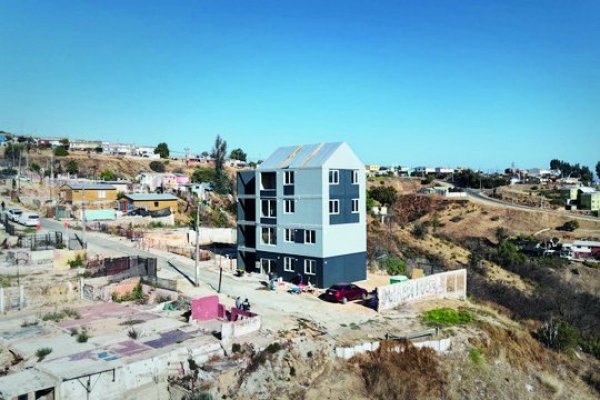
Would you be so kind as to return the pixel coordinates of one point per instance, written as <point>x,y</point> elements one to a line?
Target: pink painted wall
<point>205,308</point>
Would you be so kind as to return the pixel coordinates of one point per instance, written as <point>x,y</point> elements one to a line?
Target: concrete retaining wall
<point>451,284</point>
<point>441,345</point>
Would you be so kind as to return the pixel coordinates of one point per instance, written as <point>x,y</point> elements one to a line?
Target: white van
<point>29,219</point>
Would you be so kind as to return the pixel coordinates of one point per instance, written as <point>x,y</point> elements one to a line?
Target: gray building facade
<point>302,215</point>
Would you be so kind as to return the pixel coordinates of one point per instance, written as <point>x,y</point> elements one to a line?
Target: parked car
<point>29,219</point>
<point>343,292</point>
<point>14,214</point>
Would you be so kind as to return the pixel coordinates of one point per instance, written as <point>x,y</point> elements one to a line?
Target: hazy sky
<point>463,82</point>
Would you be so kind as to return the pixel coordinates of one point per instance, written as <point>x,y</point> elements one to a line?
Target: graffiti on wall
<point>451,284</point>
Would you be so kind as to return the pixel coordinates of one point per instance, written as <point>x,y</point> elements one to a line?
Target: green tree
<point>107,175</point>
<point>60,152</point>
<point>64,142</point>
<point>238,154</point>
<point>383,194</point>
<point>204,175</point>
<point>35,167</point>
<point>99,149</point>
<point>157,166</point>
<point>72,167</point>
<point>598,170</point>
<point>586,174</point>
<point>162,149</point>
<point>219,152</point>
<point>558,335</point>
<point>12,152</point>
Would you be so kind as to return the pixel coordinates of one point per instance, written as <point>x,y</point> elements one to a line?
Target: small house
<point>76,193</point>
<point>148,201</point>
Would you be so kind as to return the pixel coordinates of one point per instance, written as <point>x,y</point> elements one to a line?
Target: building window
<point>289,206</point>
<point>310,267</point>
<point>101,194</point>
<point>269,236</point>
<point>267,181</point>
<point>355,177</point>
<point>156,204</point>
<point>288,178</point>
<point>310,236</point>
<point>354,205</point>
<point>334,177</point>
<point>268,208</point>
<point>288,235</point>
<point>267,265</point>
<point>334,206</point>
<point>288,264</point>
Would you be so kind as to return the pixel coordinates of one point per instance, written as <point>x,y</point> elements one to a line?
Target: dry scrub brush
<point>400,371</point>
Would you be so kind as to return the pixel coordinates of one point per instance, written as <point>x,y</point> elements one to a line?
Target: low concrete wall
<point>212,235</point>
<point>240,327</point>
<point>451,284</point>
<point>440,345</point>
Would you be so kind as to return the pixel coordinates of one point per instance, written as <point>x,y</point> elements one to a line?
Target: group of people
<point>242,305</point>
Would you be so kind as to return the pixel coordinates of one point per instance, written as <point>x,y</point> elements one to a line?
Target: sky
<point>439,83</point>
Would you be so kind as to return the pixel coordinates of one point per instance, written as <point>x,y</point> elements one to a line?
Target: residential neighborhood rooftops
<point>303,156</point>
<point>150,196</point>
<point>90,186</point>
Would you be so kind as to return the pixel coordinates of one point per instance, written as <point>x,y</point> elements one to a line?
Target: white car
<point>14,214</point>
<point>29,219</point>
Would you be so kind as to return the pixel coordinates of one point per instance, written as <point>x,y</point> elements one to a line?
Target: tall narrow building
<point>302,213</point>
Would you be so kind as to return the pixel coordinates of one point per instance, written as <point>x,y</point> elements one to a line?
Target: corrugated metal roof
<point>91,186</point>
<point>304,156</point>
<point>150,196</point>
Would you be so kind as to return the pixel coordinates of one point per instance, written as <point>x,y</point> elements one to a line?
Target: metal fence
<point>44,241</point>
<point>8,227</point>
<point>122,267</point>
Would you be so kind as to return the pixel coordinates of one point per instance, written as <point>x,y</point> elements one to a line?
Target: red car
<point>342,292</point>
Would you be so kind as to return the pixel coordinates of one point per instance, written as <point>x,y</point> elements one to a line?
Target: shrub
<point>53,316</point>
<point>83,336</point>
<point>69,312</point>
<point>157,166</point>
<point>495,218</point>
<point>447,317</point>
<point>558,335</point>
<point>394,266</point>
<point>77,262</point>
<point>419,231</point>
<point>133,333</point>
<point>569,226</point>
<point>236,348</point>
<point>26,323</point>
<point>476,356</point>
<point>273,348</point>
<point>410,373</point>
<point>456,218</point>
<point>60,152</point>
<point>43,352</point>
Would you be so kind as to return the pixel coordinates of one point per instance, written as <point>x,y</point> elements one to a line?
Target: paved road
<point>478,196</point>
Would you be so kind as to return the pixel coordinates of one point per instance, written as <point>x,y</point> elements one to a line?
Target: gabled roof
<point>303,156</point>
<point>150,196</point>
<point>90,186</point>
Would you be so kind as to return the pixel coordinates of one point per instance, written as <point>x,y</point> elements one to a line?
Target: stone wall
<point>451,284</point>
